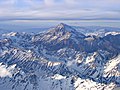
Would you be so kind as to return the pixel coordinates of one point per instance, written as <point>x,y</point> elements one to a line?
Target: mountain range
<point>62,58</point>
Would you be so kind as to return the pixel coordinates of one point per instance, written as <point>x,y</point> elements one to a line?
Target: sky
<point>59,9</point>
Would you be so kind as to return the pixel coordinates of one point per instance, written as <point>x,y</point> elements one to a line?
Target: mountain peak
<point>64,31</point>
<point>62,24</point>
<point>64,27</point>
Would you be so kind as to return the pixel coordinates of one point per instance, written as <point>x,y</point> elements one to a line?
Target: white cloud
<point>46,9</point>
<point>49,2</point>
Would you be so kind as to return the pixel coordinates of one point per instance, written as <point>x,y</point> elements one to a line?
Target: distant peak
<point>61,25</point>
<point>64,27</point>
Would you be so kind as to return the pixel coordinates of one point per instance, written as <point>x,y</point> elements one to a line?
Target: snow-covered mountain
<point>61,58</point>
<point>96,30</point>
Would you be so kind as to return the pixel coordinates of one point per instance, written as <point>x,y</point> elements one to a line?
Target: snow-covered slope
<point>60,59</point>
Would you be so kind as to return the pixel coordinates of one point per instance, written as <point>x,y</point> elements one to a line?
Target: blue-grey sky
<point>59,9</point>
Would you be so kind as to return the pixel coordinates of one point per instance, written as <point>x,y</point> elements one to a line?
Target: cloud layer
<point>59,9</point>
